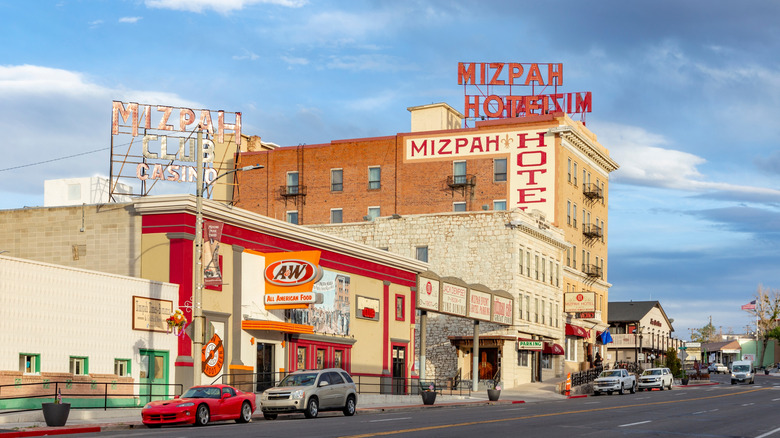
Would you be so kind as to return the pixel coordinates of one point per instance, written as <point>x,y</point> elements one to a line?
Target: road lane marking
<point>634,424</point>
<point>769,433</point>
<point>390,419</point>
<point>775,399</point>
<point>553,414</point>
<point>748,404</point>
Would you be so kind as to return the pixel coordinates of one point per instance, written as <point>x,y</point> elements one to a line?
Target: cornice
<point>586,146</point>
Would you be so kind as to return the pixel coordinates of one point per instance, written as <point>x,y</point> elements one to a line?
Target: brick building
<point>547,164</point>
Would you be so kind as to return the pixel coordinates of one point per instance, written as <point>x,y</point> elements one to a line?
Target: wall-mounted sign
<point>586,315</point>
<point>479,305</point>
<point>367,308</point>
<point>574,302</point>
<point>453,299</point>
<point>290,298</point>
<point>292,272</point>
<point>150,314</point>
<point>529,345</point>
<point>292,276</point>
<point>212,235</point>
<point>428,294</point>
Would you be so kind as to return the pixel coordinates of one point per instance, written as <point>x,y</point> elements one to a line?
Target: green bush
<point>673,362</point>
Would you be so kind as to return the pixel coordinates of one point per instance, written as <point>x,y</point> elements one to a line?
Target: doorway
<point>153,375</point>
<point>265,366</point>
<point>399,369</point>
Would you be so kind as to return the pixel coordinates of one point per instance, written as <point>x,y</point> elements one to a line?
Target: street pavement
<point>31,423</point>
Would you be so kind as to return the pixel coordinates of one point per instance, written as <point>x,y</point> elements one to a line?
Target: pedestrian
<point>598,361</point>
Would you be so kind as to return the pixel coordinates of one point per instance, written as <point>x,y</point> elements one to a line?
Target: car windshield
<point>741,368</point>
<point>202,392</point>
<point>302,379</point>
<point>610,374</point>
<point>652,373</point>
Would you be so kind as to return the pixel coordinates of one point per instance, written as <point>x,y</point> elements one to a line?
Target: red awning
<point>573,330</point>
<point>551,348</point>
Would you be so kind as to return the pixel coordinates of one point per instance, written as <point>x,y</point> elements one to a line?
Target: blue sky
<point>685,96</point>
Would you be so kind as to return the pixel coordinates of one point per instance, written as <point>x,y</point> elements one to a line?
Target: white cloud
<point>247,55</point>
<point>219,6</point>
<point>130,20</point>
<point>95,23</point>
<point>292,60</point>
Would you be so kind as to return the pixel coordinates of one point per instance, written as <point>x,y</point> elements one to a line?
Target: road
<point>705,411</point>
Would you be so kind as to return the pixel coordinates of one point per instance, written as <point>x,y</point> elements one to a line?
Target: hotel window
<point>568,256</point>
<point>499,205</point>
<point>292,183</point>
<point>399,307</point>
<point>521,261</point>
<point>79,365</point>
<point>536,266</point>
<point>373,213</point>
<point>557,315</point>
<point>336,180</point>
<point>544,305</point>
<point>459,172</point>
<point>122,367</point>
<point>547,361</point>
<point>603,193</point>
<point>568,212</point>
<point>499,169</point>
<point>568,169</point>
<point>528,263</point>
<point>536,309</point>
<point>552,278</point>
<point>374,178</point>
<point>575,173</point>
<point>544,270</point>
<point>292,217</point>
<point>584,221</point>
<point>520,306</point>
<point>30,363</point>
<point>336,215</point>
<point>421,253</point>
<point>574,218</point>
<point>527,307</point>
<point>571,349</point>
<point>584,177</point>
<point>574,257</point>
<point>522,358</point>
<point>603,231</point>
<point>557,274</point>
<point>458,206</point>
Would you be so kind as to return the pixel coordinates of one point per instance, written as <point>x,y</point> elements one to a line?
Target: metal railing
<point>20,397</point>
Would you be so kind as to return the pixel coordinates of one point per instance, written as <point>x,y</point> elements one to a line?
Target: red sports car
<point>199,405</point>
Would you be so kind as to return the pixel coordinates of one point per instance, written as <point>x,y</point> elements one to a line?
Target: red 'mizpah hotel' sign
<point>482,78</point>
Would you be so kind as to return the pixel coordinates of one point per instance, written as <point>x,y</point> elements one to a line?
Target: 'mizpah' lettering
<point>454,146</point>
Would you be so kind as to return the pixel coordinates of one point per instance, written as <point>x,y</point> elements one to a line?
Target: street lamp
<point>197,266</point>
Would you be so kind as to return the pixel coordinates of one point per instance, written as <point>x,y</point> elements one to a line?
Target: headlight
<point>264,396</point>
<point>298,394</point>
<point>147,406</point>
<point>186,405</point>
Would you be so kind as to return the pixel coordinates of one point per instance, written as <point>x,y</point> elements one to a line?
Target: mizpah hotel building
<point>514,204</point>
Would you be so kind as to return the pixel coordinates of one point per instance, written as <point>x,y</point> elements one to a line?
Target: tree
<point>672,361</point>
<point>706,334</point>
<point>766,312</point>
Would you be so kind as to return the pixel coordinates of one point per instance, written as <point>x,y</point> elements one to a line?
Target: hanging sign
<point>213,356</point>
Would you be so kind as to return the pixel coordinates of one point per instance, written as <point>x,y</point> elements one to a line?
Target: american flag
<point>749,306</point>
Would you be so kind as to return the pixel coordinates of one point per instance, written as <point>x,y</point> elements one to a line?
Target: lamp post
<point>197,265</point>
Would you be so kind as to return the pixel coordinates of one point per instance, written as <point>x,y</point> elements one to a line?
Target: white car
<point>718,368</point>
<point>660,378</point>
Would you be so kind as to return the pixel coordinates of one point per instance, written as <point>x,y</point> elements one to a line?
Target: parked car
<point>311,391</point>
<point>717,367</point>
<point>199,405</point>
<point>660,378</point>
<point>742,371</point>
<point>617,380</point>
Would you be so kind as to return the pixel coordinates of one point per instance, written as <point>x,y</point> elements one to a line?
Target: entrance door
<point>399,370</point>
<point>488,363</point>
<point>154,375</point>
<point>265,366</point>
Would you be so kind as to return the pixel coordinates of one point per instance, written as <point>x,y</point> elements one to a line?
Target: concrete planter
<point>55,414</point>
<point>428,397</point>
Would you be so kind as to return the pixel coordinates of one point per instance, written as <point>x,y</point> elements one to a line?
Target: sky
<point>685,97</point>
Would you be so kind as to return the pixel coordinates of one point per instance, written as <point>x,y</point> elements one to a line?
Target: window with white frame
<point>30,363</point>
<point>292,183</point>
<point>292,217</point>
<point>336,215</point>
<point>499,205</point>
<point>421,253</point>
<point>568,212</point>
<point>499,169</point>
<point>79,365</point>
<point>522,256</point>
<point>536,266</point>
<point>459,172</point>
<point>536,310</point>
<point>575,173</point>
<point>458,206</point>
<point>574,217</point>
<point>373,213</point>
<point>374,178</point>
<point>522,358</point>
<point>568,170</point>
<point>528,263</point>
<point>571,349</point>
<point>528,308</point>
<point>336,180</point>
<point>547,361</point>
<point>520,306</point>
<point>122,367</point>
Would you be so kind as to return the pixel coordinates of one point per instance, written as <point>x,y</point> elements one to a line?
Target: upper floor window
<point>458,206</point>
<point>336,216</point>
<point>459,172</point>
<point>399,307</point>
<point>374,177</point>
<point>292,217</point>
<point>373,213</point>
<point>499,169</point>
<point>336,180</point>
<point>421,253</point>
<point>499,205</point>
<point>568,169</point>
<point>292,183</point>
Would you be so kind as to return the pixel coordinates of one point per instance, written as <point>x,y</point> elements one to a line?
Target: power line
<point>54,159</point>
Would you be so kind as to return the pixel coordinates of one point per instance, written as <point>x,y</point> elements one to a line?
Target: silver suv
<point>311,391</point>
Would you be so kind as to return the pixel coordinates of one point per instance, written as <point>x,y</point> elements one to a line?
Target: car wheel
<point>269,416</point>
<point>640,389</point>
<point>596,393</point>
<point>632,390</point>
<point>312,409</point>
<point>733,382</point>
<point>202,415</point>
<point>622,389</point>
<point>246,413</point>
<point>670,385</point>
<point>349,408</point>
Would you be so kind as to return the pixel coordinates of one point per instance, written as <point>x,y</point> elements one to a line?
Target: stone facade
<point>486,248</point>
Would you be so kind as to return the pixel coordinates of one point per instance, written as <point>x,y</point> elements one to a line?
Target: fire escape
<point>295,192</point>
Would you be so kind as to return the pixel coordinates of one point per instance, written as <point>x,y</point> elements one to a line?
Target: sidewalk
<point>24,424</point>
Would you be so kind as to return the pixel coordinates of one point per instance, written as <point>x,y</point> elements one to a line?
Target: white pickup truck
<point>617,380</point>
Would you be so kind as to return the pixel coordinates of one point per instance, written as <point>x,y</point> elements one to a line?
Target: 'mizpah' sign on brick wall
<point>481,80</point>
<point>157,143</point>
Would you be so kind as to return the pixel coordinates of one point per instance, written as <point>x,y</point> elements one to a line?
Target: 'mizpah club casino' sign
<point>169,138</point>
<point>481,77</point>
